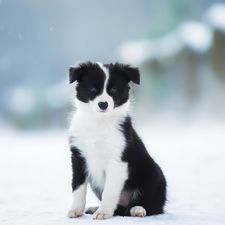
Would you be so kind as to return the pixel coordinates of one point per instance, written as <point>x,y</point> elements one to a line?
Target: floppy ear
<point>133,74</point>
<point>75,73</point>
<point>130,72</point>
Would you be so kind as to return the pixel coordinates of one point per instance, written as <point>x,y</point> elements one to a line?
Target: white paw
<point>91,210</point>
<point>98,215</point>
<point>74,213</point>
<point>138,211</point>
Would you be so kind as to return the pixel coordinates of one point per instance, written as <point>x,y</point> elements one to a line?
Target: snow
<point>197,36</point>
<point>35,174</point>
<point>215,16</point>
<point>136,52</point>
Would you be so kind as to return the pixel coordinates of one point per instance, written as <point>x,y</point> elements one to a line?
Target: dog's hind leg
<point>138,211</point>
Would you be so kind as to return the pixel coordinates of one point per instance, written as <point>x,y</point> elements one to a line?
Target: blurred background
<point>179,46</point>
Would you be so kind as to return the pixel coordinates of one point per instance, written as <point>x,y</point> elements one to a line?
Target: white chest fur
<point>100,140</point>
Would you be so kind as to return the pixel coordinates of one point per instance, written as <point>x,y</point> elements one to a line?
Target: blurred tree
<point>218,53</point>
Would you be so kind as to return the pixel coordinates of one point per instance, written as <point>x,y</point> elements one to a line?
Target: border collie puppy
<point>106,150</point>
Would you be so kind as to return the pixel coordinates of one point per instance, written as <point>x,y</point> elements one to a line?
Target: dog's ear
<point>133,74</point>
<point>130,72</point>
<point>77,71</point>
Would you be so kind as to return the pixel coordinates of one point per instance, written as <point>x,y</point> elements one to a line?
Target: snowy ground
<point>35,176</point>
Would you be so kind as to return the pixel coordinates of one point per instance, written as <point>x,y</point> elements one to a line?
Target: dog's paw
<point>91,210</point>
<point>138,211</point>
<point>74,213</point>
<point>99,215</point>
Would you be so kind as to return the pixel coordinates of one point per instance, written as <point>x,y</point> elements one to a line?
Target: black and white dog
<point>106,150</point>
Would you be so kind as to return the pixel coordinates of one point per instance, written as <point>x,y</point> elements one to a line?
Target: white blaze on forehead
<point>105,70</point>
<point>104,97</point>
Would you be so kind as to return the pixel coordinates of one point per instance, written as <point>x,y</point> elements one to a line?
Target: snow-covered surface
<point>35,176</point>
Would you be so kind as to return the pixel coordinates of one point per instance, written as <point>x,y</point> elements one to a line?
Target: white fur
<point>78,202</point>
<point>138,211</point>
<point>116,175</point>
<point>105,70</point>
<point>104,97</point>
<point>99,138</point>
<point>101,143</point>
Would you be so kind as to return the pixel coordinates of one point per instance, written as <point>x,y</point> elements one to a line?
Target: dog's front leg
<point>116,175</point>
<point>79,184</point>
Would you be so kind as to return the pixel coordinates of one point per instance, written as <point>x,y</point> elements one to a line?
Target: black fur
<point>78,167</point>
<point>146,183</point>
<point>144,174</point>
<point>132,74</point>
<point>88,75</point>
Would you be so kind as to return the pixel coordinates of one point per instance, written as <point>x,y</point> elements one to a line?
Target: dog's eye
<point>113,90</point>
<point>93,89</point>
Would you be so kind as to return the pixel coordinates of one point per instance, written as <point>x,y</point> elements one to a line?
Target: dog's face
<point>103,87</point>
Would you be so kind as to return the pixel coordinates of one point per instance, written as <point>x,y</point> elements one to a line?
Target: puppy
<point>106,150</point>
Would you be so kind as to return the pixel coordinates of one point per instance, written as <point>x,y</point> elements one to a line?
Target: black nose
<point>103,105</point>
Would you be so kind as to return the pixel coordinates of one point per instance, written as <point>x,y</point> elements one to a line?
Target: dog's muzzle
<point>103,105</point>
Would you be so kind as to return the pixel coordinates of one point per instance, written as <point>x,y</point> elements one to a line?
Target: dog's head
<point>104,87</point>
